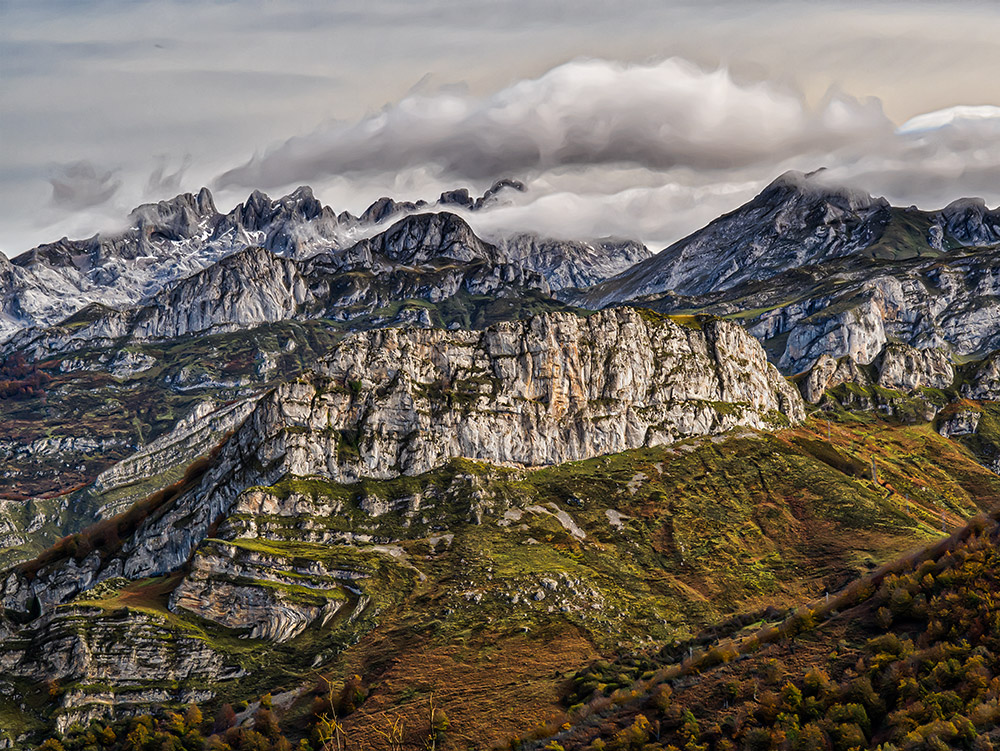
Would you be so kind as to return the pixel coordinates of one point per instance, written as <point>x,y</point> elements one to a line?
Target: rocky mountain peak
<point>814,187</point>
<point>965,205</point>
<point>499,187</point>
<point>795,221</point>
<point>201,204</point>
<point>385,207</point>
<point>178,218</point>
<point>419,238</point>
<point>572,263</point>
<point>61,253</point>
<point>463,198</point>
<point>459,197</point>
<point>970,222</point>
<point>302,205</point>
<point>255,213</point>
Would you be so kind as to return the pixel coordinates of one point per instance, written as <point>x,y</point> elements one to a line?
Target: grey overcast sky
<point>637,118</point>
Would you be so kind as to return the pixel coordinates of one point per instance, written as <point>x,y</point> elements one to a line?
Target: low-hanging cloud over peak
<point>659,116</point>
<point>649,152</point>
<point>645,117</point>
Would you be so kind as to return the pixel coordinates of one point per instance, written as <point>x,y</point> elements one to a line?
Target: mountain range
<point>294,462</point>
<point>174,243</point>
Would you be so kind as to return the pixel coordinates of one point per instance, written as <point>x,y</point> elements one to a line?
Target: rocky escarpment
<point>261,594</point>
<point>553,389</point>
<point>983,380</point>
<point>952,302</point>
<point>855,306</point>
<point>117,659</point>
<point>906,368</point>
<point>194,434</point>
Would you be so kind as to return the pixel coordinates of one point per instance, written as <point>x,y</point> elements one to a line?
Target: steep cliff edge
<point>553,389</point>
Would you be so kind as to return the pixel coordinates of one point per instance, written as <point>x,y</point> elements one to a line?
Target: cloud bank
<point>649,152</point>
<point>584,113</point>
<point>81,185</point>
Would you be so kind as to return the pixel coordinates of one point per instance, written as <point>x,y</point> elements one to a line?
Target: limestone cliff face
<point>552,389</point>
<point>828,373</point>
<point>947,303</point>
<point>896,366</point>
<point>984,381</point>
<point>905,368</point>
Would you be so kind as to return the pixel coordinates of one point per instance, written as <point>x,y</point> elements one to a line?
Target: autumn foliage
<point>20,379</point>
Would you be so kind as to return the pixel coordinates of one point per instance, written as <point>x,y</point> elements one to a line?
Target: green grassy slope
<point>490,588</point>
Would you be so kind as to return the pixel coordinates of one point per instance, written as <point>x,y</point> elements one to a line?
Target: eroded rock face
<point>132,651</point>
<point>947,304</point>
<point>553,389</point>
<point>984,381</point>
<point>858,333</point>
<point>265,597</point>
<point>961,422</point>
<point>122,646</point>
<point>905,368</point>
<point>898,367</point>
<point>828,373</point>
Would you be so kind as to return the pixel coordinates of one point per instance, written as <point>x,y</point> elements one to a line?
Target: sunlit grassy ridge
<point>905,658</point>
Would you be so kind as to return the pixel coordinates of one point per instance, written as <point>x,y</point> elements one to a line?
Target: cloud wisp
<point>82,185</point>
